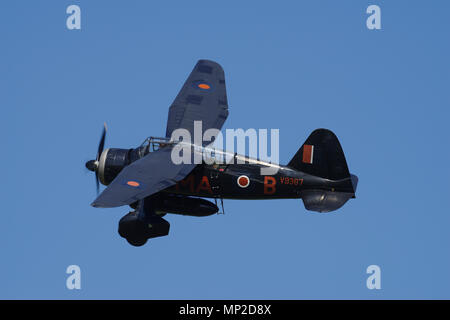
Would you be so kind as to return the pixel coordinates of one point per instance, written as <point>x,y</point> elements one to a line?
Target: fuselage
<point>245,181</point>
<point>221,174</point>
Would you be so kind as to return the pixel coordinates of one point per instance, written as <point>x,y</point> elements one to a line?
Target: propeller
<point>92,165</point>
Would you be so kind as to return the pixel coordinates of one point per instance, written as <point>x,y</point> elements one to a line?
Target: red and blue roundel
<point>243,181</point>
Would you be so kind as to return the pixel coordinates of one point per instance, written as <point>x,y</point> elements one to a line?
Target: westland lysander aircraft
<point>146,178</point>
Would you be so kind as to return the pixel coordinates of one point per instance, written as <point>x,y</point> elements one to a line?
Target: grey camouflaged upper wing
<point>202,98</point>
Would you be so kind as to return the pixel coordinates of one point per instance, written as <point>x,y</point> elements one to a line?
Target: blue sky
<point>291,65</point>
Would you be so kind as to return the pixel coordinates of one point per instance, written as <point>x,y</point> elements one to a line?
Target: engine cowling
<point>113,160</point>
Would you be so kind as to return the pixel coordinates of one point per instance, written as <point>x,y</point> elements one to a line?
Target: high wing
<point>142,178</point>
<point>202,98</point>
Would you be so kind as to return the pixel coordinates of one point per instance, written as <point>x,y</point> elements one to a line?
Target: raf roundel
<point>243,181</point>
<point>204,86</point>
<point>133,184</point>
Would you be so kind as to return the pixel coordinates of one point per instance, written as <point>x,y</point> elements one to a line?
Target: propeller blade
<point>97,182</point>
<point>102,142</point>
<point>92,165</point>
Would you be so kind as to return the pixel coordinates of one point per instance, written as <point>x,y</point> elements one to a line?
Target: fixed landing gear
<point>133,229</point>
<point>140,225</point>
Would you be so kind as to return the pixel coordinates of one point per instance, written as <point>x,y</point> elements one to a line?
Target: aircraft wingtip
<point>95,204</point>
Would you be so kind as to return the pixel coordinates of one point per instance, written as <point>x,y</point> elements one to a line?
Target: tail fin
<point>321,155</point>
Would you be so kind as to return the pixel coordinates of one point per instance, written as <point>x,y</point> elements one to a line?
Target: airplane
<point>146,179</point>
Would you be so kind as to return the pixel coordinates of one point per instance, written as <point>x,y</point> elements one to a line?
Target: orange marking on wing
<point>204,86</point>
